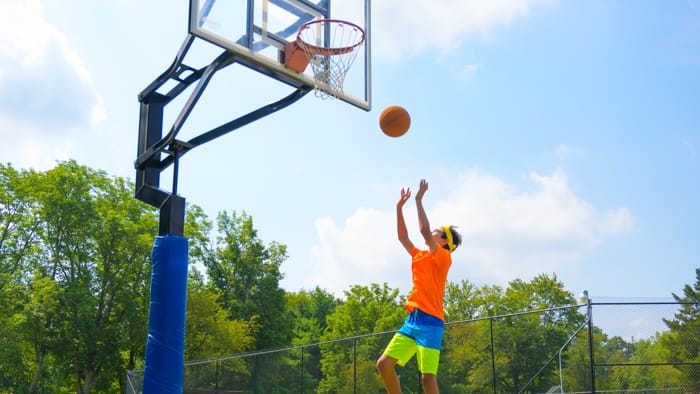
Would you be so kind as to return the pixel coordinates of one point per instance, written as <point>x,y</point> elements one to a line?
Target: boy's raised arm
<point>423,223</point>
<point>401,223</point>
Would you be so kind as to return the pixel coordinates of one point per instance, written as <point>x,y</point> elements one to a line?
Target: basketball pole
<point>164,359</point>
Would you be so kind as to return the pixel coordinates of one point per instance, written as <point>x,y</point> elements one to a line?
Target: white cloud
<point>566,152</point>
<point>27,149</point>
<point>468,72</point>
<point>46,91</point>
<point>617,221</point>
<point>365,244</point>
<point>508,232</point>
<point>98,112</point>
<point>25,35</point>
<point>417,25</point>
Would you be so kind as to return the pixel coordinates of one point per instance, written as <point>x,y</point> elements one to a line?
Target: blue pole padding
<point>165,346</point>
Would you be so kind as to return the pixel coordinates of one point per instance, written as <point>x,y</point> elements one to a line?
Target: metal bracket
<point>156,152</point>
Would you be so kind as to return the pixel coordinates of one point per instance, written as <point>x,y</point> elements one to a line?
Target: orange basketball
<point>394,121</point>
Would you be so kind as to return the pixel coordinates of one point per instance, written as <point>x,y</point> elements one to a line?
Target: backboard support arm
<point>152,145</point>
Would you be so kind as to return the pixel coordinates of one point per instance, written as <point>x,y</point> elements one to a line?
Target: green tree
<point>74,255</point>
<point>639,367</point>
<point>18,243</point>
<point>684,339</point>
<point>465,357</point>
<point>247,273</point>
<point>460,301</point>
<point>613,351</point>
<point>522,344</point>
<point>531,340</point>
<point>576,374</point>
<point>75,269</point>
<point>26,355</point>
<point>97,240</point>
<point>211,332</point>
<point>309,311</point>
<point>197,231</point>
<point>373,309</point>
<point>18,224</point>
<point>652,376</point>
<point>465,362</point>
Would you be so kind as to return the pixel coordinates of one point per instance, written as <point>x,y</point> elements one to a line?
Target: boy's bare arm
<point>401,223</point>
<point>423,223</point>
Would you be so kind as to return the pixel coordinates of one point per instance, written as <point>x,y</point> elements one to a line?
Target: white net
<point>331,47</point>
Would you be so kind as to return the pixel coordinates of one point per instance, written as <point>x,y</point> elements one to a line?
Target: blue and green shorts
<point>421,333</point>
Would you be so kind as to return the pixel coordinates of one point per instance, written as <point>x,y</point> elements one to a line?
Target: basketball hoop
<point>330,46</point>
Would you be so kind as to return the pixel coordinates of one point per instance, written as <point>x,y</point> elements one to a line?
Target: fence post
<point>493,356</point>
<point>302,370</point>
<point>354,366</point>
<point>255,374</point>
<point>590,343</point>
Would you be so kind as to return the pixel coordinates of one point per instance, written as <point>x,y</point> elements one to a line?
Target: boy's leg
<point>428,360</point>
<point>399,350</point>
<point>430,385</point>
<point>429,341</point>
<point>386,366</point>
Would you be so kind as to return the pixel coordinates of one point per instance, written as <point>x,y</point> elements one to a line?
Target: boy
<point>422,331</point>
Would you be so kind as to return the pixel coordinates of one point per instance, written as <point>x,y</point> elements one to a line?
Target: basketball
<point>394,121</point>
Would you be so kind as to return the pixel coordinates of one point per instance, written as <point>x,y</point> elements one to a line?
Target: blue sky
<point>562,137</point>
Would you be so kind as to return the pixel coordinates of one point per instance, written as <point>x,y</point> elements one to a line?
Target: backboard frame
<point>248,50</point>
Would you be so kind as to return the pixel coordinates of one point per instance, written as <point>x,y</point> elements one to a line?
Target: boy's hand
<point>405,195</point>
<point>422,188</point>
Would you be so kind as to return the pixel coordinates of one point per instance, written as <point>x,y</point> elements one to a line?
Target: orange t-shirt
<point>429,274</point>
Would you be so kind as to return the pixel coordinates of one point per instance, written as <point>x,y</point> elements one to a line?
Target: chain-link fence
<point>657,361</point>
<point>570,349</point>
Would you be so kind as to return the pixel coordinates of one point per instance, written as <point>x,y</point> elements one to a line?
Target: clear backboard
<point>257,32</point>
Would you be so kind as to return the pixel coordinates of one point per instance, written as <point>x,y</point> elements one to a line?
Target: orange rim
<point>324,51</point>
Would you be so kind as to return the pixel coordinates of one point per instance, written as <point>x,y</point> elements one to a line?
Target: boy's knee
<point>385,363</point>
<point>428,379</point>
<point>430,385</point>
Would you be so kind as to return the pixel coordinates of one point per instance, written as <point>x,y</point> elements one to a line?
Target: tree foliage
<point>366,310</point>
<point>247,275</point>
<point>210,330</point>
<point>684,338</point>
<point>74,258</point>
<point>211,333</point>
<point>309,311</point>
<point>522,344</point>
